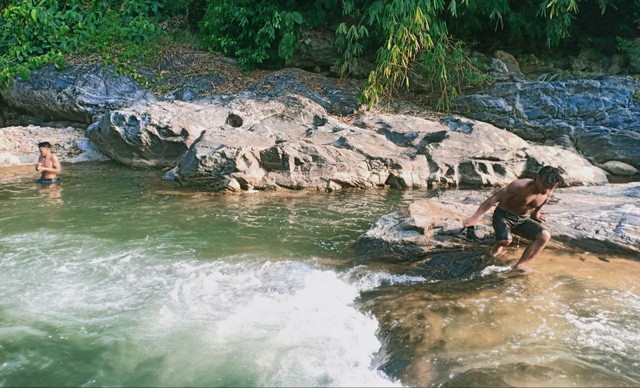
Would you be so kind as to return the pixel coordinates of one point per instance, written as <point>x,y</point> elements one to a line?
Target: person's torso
<point>47,161</point>
<point>524,203</point>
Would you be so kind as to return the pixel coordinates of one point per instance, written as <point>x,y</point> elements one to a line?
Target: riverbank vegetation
<point>406,40</point>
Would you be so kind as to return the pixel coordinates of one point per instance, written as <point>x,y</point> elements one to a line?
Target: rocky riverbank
<point>293,130</point>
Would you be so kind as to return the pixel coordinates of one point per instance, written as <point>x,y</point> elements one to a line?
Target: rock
<point>317,48</point>
<point>479,154</point>
<point>280,155</point>
<point>337,97</point>
<point>75,94</point>
<point>423,227</point>
<point>589,60</point>
<point>619,168</point>
<point>602,219</point>
<point>617,64</point>
<point>321,152</point>
<point>505,67</point>
<point>633,54</point>
<point>599,115</point>
<point>153,134</point>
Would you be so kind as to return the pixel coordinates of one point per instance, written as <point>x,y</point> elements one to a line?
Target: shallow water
<point>114,277</point>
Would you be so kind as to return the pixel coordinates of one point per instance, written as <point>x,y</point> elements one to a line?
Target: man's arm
<point>537,214</point>
<point>486,205</point>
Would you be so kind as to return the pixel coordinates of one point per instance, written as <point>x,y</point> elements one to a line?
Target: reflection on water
<point>51,193</point>
<point>117,278</point>
<point>574,321</point>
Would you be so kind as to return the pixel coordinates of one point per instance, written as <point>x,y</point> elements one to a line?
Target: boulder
<point>75,94</point>
<point>327,153</point>
<point>410,233</point>
<point>153,134</point>
<point>598,116</point>
<point>389,150</point>
<point>615,167</point>
<point>280,153</point>
<point>336,96</point>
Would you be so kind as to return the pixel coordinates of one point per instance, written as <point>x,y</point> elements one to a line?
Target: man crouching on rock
<point>518,211</point>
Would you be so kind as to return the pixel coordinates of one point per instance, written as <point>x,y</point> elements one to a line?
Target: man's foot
<point>522,270</point>
<point>497,251</point>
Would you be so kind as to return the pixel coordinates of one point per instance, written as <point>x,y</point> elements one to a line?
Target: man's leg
<point>498,247</point>
<point>536,247</point>
<point>502,230</point>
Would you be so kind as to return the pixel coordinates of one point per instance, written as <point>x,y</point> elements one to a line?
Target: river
<point>114,277</point>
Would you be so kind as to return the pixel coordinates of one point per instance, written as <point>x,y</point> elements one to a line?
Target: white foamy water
<point>183,321</point>
<point>116,278</point>
<point>365,279</point>
<point>607,322</point>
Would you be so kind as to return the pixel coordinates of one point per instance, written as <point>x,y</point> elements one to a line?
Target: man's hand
<point>539,217</point>
<point>471,221</point>
<point>38,165</point>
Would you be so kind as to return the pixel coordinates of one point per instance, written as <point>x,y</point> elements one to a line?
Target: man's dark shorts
<point>43,181</point>
<point>504,223</point>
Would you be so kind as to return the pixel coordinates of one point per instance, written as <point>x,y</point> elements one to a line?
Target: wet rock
<point>423,227</point>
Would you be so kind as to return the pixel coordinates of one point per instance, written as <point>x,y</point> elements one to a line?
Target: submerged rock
<point>422,227</point>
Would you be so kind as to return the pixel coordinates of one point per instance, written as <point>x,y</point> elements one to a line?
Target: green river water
<point>116,278</point>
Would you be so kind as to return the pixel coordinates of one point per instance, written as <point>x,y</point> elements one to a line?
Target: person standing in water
<point>518,211</point>
<point>48,164</point>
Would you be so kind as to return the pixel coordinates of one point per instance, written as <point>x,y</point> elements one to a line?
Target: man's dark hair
<point>44,144</point>
<point>551,176</point>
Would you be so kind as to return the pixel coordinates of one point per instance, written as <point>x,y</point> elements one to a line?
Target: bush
<point>40,32</point>
<point>261,33</point>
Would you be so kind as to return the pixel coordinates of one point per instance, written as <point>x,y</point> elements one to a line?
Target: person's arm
<point>486,205</point>
<point>537,214</point>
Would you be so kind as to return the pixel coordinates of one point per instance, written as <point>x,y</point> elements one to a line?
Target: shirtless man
<point>48,164</point>
<point>518,211</point>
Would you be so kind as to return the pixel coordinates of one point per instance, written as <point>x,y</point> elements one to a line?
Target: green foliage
<point>257,33</point>
<point>36,33</point>
<point>404,30</point>
<point>630,48</point>
<point>446,70</point>
<point>412,40</point>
